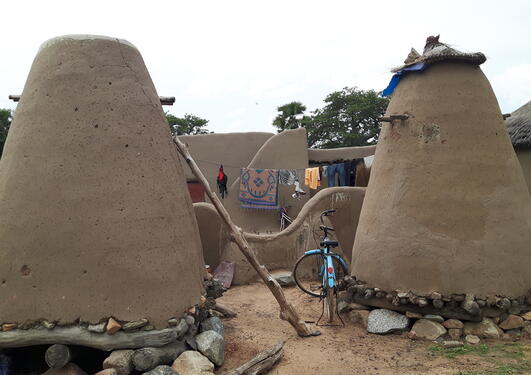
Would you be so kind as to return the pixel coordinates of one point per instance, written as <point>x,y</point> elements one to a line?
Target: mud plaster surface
<point>338,351</point>
<point>95,217</point>
<point>447,208</point>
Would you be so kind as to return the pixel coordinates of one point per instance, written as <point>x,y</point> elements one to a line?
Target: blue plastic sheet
<point>398,75</point>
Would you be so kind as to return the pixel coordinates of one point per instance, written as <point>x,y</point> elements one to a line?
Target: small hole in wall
<point>84,272</point>
<point>96,126</point>
<point>25,270</point>
<point>126,145</point>
<point>3,282</point>
<point>110,83</point>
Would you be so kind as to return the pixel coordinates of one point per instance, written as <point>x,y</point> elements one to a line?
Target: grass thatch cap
<point>435,51</point>
<point>519,127</point>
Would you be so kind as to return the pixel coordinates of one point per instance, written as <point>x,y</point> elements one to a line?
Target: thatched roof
<point>519,127</point>
<point>435,51</point>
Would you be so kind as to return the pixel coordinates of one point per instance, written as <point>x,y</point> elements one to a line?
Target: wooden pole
<point>287,310</point>
<point>260,364</point>
<point>57,356</point>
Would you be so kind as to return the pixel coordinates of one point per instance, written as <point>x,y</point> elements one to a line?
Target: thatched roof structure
<point>519,127</point>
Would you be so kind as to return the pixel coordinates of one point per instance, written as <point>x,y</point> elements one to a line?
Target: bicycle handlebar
<point>326,213</point>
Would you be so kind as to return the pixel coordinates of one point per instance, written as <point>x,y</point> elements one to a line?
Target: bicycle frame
<point>328,273</point>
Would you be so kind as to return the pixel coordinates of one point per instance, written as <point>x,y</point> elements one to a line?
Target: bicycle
<point>320,272</point>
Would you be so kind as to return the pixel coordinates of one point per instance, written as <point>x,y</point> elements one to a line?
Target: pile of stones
<point>488,324</point>
<point>198,351</point>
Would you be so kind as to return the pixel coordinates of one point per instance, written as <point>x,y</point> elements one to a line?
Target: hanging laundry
<point>312,177</point>
<point>222,182</point>
<point>299,193</point>
<point>331,172</point>
<point>287,176</point>
<point>350,171</point>
<point>259,188</point>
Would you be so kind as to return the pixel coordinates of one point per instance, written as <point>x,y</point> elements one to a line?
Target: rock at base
<point>435,318</point>
<point>192,363</point>
<point>452,344</point>
<point>385,321</point>
<point>472,339</point>
<point>484,329</point>
<point>512,322</point>
<point>428,329</point>
<point>108,371</point>
<point>453,324</point>
<point>161,370</point>
<point>359,316</point>
<point>121,361</point>
<point>212,345</point>
<point>69,369</point>
<point>527,315</point>
<point>284,278</point>
<point>455,333</point>
<point>97,328</point>
<point>113,326</point>
<point>213,324</point>
<point>413,315</point>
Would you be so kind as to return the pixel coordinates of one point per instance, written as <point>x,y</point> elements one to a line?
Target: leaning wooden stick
<point>260,364</point>
<point>287,310</point>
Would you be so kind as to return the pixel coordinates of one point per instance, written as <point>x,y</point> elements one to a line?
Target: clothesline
<point>313,164</point>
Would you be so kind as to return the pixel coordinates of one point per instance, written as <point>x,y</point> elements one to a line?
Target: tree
<point>349,118</point>
<point>291,116</point>
<point>5,122</point>
<point>187,125</point>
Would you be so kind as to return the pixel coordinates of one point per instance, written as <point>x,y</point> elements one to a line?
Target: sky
<point>234,62</point>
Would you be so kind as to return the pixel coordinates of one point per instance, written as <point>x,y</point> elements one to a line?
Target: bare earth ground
<point>339,350</point>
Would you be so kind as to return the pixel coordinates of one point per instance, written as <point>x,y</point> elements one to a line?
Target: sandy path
<point>338,351</point>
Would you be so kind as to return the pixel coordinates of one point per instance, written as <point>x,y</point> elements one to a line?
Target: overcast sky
<point>234,62</point>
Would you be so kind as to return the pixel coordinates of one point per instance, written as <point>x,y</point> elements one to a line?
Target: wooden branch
<point>146,359</point>
<point>287,310</point>
<point>164,100</point>
<point>228,313</point>
<point>57,356</point>
<point>80,336</point>
<point>261,363</point>
<point>506,115</point>
<point>392,118</point>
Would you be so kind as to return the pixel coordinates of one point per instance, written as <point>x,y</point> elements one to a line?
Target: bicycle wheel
<point>308,272</point>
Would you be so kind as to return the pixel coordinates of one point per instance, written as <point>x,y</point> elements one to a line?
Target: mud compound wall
<point>95,217</point>
<point>281,250</point>
<point>447,208</point>
<point>524,157</point>
<point>286,150</point>
<point>233,150</point>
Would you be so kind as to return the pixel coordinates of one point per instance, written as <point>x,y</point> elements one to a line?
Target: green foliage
<point>187,125</point>
<point>291,116</point>
<point>349,118</point>
<point>454,352</point>
<point>5,122</point>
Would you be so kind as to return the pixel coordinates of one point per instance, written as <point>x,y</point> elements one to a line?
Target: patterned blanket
<point>259,188</point>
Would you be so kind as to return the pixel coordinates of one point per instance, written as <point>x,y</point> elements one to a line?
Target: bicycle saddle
<point>329,243</point>
<point>323,227</point>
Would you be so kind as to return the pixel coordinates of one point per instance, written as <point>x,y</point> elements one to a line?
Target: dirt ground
<point>339,350</point>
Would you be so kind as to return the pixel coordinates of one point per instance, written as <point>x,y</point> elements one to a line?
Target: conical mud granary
<point>95,217</point>
<point>447,209</point>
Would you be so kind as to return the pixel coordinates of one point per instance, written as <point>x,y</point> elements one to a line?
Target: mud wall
<point>286,150</point>
<point>233,150</point>
<point>213,238</point>
<point>281,250</point>
<point>95,217</point>
<point>447,208</point>
<point>524,157</point>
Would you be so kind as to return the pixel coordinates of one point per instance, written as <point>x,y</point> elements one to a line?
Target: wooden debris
<point>57,356</point>
<point>287,310</point>
<point>228,313</point>
<point>260,364</point>
<point>148,358</point>
<point>81,336</point>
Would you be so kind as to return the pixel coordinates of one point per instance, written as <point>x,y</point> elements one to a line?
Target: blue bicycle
<point>320,272</point>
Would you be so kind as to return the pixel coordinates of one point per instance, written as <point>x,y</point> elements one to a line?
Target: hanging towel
<point>259,188</point>
<point>311,177</point>
<point>287,176</point>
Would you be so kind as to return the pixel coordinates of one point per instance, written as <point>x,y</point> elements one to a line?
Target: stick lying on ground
<point>260,364</point>
<point>227,313</point>
<point>287,310</point>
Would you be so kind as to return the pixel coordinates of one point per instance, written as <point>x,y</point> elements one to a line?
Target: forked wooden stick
<point>287,310</point>
<point>260,364</point>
